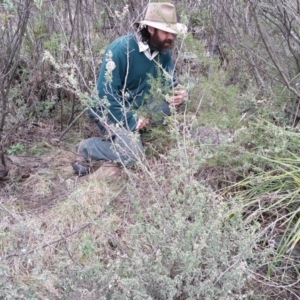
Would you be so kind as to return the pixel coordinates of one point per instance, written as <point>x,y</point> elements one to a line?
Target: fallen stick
<point>68,128</point>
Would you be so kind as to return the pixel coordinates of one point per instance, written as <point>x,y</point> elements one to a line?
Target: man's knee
<point>83,149</point>
<point>128,153</point>
<point>79,148</point>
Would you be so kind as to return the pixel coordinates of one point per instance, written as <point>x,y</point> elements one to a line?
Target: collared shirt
<point>145,48</point>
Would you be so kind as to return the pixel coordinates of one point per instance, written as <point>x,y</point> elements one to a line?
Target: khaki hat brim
<point>177,28</point>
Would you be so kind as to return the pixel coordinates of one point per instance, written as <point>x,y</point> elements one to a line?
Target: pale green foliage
<point>53,43</point>
<point>44,108</point>
<point>219,102</point>
<point>38,3</point>
<point>188,243</point>
<point>272,184</point>
<point>182,240</point>
<point>110,65</point>
<point>13,149</point>
<point>7,5</point>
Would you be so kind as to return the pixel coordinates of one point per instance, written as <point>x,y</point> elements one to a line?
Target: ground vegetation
<point>211,212</point>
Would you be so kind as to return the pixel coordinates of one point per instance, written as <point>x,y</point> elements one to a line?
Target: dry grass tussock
<point>38,181</point>
<point>41,239</point>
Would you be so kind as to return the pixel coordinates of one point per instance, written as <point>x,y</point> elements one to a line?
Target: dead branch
<point>272,55</point>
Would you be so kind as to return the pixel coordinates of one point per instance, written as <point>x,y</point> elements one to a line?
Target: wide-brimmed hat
<point>163,16</point>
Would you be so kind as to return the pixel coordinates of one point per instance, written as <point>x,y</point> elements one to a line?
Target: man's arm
<point>179,94</point>
<point>178,97</point>
<point>142,123</point>
<point>111,83</point>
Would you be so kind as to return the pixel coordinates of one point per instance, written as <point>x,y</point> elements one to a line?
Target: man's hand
<point>178,97</point>
<point>141,123</point>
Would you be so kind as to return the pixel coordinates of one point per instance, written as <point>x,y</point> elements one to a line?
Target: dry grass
<point>60,232</point>
<point>57,221</point>
<point>40,239</point>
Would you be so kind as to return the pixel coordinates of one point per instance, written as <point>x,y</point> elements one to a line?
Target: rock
<point>107,170</point>
<point>210,136</point>
<point>44,171</point>
<point>206,135</point>
<point>15,159</point>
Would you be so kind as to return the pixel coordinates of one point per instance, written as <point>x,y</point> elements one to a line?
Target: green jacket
<point>123,80</point>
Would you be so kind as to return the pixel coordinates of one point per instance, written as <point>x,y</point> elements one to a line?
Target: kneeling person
<point>126,104</point>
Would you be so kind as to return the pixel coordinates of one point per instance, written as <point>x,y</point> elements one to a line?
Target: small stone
<point>44,171</point>
<point>107,170</point>
<point>15,159</point>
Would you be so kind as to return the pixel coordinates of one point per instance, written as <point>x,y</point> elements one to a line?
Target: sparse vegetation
<point>212,212</point>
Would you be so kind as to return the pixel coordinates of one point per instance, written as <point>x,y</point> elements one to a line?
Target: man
<point>128,100</point>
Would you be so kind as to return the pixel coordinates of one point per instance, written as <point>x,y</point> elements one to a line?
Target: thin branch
<point>68,128</point>
<point>273,56</point>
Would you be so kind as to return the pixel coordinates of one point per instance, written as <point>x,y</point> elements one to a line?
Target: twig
<point>68,128</point>
<point>272,54</point>
<point>66,247</point>
<point>265,280</point>
<point>256,238</point>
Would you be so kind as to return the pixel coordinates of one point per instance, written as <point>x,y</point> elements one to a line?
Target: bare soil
<point>41,174</point>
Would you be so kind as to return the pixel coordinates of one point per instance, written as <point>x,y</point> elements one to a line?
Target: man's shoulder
<point>125,41</point>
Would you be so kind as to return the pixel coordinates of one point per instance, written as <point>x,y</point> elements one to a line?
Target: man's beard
<point>155,44</point>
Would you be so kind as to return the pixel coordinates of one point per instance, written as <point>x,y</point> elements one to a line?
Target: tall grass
<point>275,194</point>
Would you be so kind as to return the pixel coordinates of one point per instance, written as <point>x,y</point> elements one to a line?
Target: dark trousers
<point>119,144</point>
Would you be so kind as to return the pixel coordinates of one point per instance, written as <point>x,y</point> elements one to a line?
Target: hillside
<point>212,209</point>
